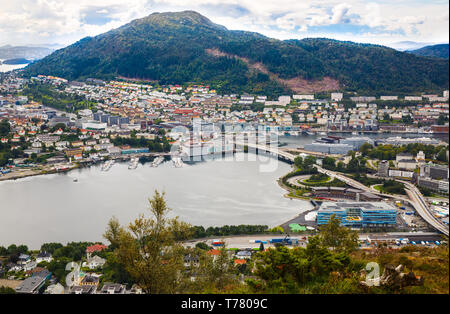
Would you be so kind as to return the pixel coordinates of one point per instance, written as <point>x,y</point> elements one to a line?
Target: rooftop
<point>335,206</point>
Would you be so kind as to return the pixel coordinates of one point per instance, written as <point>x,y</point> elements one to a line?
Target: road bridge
<point>416,199</point>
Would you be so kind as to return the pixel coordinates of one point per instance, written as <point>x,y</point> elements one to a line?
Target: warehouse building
<point>328,148</point>
<point>344,193</point>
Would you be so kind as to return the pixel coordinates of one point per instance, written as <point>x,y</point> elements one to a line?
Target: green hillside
<point>434,51</point>
<point>176,48</point>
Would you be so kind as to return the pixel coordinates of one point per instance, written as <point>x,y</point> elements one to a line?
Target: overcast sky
<point>62,22</point>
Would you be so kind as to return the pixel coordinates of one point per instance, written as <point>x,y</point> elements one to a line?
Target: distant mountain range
<point>15,61</point>
<point>434,51</point>
<point>176,48</point>
<point>408,45</point>
<point>24,52</point>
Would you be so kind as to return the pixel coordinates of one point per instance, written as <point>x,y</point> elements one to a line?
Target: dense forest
<point>175,48</point>
<point>434,51</point>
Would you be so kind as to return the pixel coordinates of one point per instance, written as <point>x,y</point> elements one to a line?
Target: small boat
<point>106,166</point>
<point>177,162</point>
<point>157,161</point>
<point>133,163</point>
<point>75,180</point>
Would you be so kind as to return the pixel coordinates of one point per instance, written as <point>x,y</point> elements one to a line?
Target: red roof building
<point>95,248</point>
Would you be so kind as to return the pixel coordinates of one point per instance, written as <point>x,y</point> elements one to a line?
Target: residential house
<point>87,289</point>
<point>112,288</point>
<point>29,266</point>
<point>44,257</point>
<point>94,262</point>
<point>94,248</point>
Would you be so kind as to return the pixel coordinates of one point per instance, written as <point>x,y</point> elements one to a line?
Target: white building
<point>388,97</point>
<point>284,100</point>
<point>337,96</point>
<point>303,97</point>
<point>95,262</point>
<point>413,98</point>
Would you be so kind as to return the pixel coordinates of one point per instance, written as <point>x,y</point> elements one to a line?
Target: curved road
<point>416,198</point>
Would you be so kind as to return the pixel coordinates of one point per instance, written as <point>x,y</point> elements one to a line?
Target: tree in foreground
<point>337,237</point>
<point>310,269</point>
<point>149,248</point>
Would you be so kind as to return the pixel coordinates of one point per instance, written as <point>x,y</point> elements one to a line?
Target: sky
<point>59,23</point>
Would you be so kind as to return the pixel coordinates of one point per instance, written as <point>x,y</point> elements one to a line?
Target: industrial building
<point>356,142</point>
<point>358,214</point>
<point>434,171</point>
<point>335,145</point>
<point>440,186</point>
<point>344,193</point>
<point>383,168</point>
<point>328,148</point>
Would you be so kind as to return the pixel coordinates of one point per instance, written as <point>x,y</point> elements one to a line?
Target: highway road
<point>416,199</point>
<point>421,206</point>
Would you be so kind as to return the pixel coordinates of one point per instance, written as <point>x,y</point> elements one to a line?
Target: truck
<point>286,240</point>
<point>217,242</point>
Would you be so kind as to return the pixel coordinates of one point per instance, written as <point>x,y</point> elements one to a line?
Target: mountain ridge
<point>433,51</point>
<point>175,48</point>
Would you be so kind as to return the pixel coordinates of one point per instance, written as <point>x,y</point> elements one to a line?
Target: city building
<point>383,168</point>
<point>337,96</point>
<point>344,193</point>
<point>434,171</point>
<point>31,285</point>
<point>440,186</point>
<point>328,148</point>
<point>356,142</point>
<point>358,214</point>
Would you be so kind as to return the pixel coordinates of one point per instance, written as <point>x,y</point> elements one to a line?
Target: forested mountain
<point>434,51</point>
<point>183,47</point>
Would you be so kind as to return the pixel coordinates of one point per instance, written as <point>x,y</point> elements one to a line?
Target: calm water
<point>53,208</point>
<point>10,67</point>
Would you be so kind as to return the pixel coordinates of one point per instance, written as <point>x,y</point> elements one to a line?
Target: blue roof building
<point>358,214</point>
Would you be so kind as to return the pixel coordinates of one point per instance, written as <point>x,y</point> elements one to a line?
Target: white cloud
<point>53,21</point>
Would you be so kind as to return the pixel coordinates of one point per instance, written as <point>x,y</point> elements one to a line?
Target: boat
<point>106,166</point>
<point>157,161</point>
<point>177,162</point>
<point>75,180</point>
<point>322,133</point>
<point>133,163</point>
<point>354,133</point>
